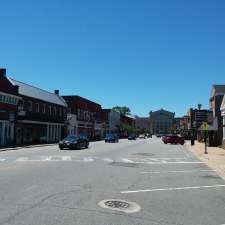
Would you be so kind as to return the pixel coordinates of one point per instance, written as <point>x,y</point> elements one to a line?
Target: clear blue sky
<point>145,54</point>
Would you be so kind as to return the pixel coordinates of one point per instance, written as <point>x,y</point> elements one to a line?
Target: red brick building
<point>88,115</point>
<point>8,108</point>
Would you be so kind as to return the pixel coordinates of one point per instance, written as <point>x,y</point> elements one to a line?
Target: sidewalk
<point>214,159</point>
<point>28,146</point>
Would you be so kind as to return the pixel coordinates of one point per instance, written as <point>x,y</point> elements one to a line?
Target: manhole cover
<point>117,204</point>
<point>120,205</point>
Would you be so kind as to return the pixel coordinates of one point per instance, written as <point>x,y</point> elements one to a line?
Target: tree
<point>122,110</point>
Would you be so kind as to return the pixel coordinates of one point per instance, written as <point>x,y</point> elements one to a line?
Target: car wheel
<point>86,145</point>
<point>61,148</point>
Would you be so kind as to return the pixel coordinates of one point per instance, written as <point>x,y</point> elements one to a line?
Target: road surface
<point>168,184</point>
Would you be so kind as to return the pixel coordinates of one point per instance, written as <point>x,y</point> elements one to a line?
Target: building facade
<point>142,123</point>
<point>112,120</point>
<point>8,109</point>
<point>41,115</point>
<point>161,121</point>
<point>87,114</point>
<point>216,98</point>
<point>223,116</point>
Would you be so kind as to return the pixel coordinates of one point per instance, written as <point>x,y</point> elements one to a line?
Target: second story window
<point>55,111</point>
<point>37,107</point>
<point>44,108</point>
<point>50,110</point>
<point>29,106</point>
<point>21,105</point>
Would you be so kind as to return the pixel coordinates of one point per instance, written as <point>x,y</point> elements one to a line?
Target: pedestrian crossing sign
<point>205,126</point>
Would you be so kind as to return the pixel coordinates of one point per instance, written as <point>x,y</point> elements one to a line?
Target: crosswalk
<point>89,159</point>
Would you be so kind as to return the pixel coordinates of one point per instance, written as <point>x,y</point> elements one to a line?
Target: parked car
<point>111,138</point>
<point>158,135</point>
<point>132,137</point>
<point>173,139</point>
<point>74,142</point>
<point>142,136</point>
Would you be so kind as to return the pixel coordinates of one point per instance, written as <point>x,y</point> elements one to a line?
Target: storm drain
<point>120,205</point>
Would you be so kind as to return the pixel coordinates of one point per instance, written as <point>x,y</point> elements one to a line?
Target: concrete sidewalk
<point>28,146</point>
<point>214,159</point>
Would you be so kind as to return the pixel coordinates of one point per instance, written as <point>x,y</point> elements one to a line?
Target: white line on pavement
<point>178,171</point>
<point>88,159</point>
<point>2,160</point>
<point>108,160</point>
<point>171,189</point>
<point>165,162</point>
<point>127,160</point>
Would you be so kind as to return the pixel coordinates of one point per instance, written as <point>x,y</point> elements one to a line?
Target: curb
<point>22,147</point>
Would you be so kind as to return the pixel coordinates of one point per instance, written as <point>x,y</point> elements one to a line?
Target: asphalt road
<point>45,186</point>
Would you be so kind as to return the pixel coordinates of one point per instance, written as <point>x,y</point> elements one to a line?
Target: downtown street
<point>170,186</point>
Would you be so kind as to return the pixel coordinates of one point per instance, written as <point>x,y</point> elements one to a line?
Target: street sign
<point>205,126</point>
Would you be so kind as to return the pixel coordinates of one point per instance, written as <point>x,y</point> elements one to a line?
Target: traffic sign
<point>205,126</point>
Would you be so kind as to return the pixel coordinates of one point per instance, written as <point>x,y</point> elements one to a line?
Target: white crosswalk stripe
<point>136,160</point>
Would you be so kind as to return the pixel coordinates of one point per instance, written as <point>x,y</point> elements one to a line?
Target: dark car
<point>132,137</point>
<point>173,139</point>
<point>74,142</point>
<point>111,138</point>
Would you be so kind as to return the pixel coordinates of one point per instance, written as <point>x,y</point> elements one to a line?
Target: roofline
<point>78,96</point>
<point>64,102</point>
<point>32,86</point>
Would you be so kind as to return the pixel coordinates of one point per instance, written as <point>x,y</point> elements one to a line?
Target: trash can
<point>192,141</point>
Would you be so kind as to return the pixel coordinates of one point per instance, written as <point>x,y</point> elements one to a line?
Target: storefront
<point>32,132</point>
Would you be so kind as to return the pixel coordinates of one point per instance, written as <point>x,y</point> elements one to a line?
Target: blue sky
<point>144,54</point>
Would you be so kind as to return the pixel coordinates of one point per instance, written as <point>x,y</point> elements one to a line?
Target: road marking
<point>108,160</point>
<point>177,171</point>
<point>171,189</point>
<point>2,160</point>
<point>22,159</point>
<point>88,159</point>
<point>127,160</point>
<point>66,158</point>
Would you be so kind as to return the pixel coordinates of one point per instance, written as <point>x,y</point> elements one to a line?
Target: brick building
<point>41,115</point>
<point>8,108</point>
<point>87,114</point>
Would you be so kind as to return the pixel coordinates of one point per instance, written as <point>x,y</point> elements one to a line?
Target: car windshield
<point>71,138</point>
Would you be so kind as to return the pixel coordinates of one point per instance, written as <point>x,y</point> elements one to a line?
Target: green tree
<point>122,110</point>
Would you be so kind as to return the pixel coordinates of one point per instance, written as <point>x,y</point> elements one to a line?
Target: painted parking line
<point>173,189</point>
<point>177,171</point>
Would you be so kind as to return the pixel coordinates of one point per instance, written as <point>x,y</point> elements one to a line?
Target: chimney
<point>57,92</point>
<point>2,72</point>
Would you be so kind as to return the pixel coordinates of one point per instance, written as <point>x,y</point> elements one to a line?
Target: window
<point>44,108</point>
<point>55,111</point>
<point>21,105</point>
<point>36,107</point>
<point>29,106</point>
<point>50,110</point>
